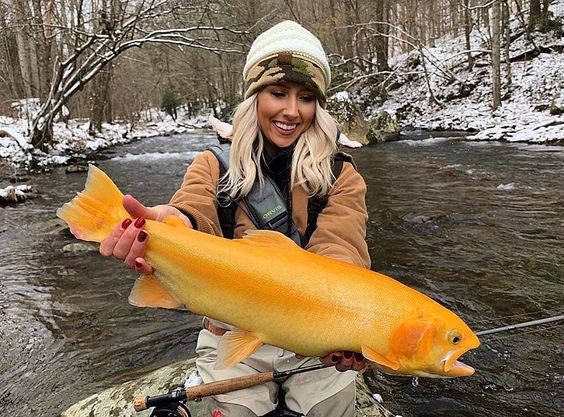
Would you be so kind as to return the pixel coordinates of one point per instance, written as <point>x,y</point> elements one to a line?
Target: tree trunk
<point>467,32</point>
<point>381,39</point>
<point>99,100</point>
<point>43,45</point>
<point>496,38</point>
<point>507,41</point>
<point>534,14</point>
<point>23,41</point>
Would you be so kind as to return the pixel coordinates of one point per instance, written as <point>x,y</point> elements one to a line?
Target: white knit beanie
<point>287,51</point>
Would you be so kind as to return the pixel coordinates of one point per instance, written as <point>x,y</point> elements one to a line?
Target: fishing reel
<point>168,405</point>
<point>171,410</point>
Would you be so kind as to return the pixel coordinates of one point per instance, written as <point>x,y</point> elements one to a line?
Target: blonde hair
<point>311,161</point>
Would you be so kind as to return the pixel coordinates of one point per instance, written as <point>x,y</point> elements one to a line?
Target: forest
<point>109,60</point>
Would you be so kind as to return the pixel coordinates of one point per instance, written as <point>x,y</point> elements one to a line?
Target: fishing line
<point>521,325</point>
<point>530,331</point>
<point>515,316</point>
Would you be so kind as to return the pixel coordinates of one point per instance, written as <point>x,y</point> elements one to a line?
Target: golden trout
<point>277,293</point>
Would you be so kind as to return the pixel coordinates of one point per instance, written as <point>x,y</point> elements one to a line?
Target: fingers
<point>108,244</point>
<point>143,267</point>
<point>137,249</point>
<point>128,242</point>
<point>359,362</point>
<point>136,209</point>
<point>128,247</point>
<point>345,361</point>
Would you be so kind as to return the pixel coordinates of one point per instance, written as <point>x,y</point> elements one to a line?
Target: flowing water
<point>478,226</point>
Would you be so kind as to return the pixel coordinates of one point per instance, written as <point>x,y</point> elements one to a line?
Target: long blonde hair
<point>311,161</point>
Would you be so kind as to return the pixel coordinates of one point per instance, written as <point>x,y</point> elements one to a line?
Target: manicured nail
<point>359,357</point>
<point>347,354</point>
<point>137,265</point>
<point>142,236</point>
<point>139,222</point>
<point>125,224</point>
<point>335,358</point>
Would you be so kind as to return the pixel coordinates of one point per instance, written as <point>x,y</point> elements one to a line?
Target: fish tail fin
<point>94,212</point>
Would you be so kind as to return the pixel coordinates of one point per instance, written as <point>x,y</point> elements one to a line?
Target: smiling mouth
<point>286,127</point>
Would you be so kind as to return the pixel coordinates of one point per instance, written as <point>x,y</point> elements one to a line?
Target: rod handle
<point>228,385</point>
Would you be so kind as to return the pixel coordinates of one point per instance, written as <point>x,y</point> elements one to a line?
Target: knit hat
<point>287,52</point>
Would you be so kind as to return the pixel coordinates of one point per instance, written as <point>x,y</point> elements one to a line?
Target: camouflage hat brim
<point>289,68</point>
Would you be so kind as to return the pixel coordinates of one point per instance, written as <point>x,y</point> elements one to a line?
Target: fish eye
<point>455,337</point>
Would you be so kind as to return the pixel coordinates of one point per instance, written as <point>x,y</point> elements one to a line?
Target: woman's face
<point>285,111</point>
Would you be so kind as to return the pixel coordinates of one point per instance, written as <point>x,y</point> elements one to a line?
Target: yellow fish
<point>280,294</point>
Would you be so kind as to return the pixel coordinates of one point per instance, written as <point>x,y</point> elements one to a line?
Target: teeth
<point>284,126</point>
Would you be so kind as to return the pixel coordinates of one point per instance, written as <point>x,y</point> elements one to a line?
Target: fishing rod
<point>521,325</point>
<point>172,404</point>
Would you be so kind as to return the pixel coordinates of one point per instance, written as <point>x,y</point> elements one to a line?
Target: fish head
<point>431,346</point>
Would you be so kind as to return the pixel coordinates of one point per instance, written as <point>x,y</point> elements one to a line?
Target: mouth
<point>285,129</point>
<point>453,367</point>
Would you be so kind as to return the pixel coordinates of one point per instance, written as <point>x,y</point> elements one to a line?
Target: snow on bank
<point>464,100</point>
<point>72,139</point>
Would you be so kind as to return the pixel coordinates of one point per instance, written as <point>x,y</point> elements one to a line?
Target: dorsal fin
<point>267,238</point>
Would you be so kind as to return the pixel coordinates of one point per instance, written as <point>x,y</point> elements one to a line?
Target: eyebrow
<point>285,84</point>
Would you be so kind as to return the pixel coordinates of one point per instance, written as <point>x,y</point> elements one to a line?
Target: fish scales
<point>275,292</point>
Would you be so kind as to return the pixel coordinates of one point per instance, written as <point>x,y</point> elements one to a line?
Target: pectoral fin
<point>373,356</point>
<point>235,346</point>
<point>149,292</point>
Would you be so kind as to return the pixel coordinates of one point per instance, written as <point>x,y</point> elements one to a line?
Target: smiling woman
<point>283,136</point>
<point>284,112</point>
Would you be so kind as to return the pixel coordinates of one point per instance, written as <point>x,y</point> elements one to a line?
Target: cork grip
<point>228,385</point>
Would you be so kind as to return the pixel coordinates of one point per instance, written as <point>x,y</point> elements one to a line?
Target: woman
<point>281,131</point>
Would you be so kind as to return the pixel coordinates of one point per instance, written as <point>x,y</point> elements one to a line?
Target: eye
<point>277,93</point>
<point>307,98</point>
<point>455,337</point>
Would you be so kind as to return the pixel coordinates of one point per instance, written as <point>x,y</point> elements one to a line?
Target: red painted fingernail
<point>347,354</point>
<point>138,265</point>
<point>125,224</point>
<point>335,358</point>
<point>142,236</point>
<point>139,222</point>
<point>217,413</point>
<point>358,357</point>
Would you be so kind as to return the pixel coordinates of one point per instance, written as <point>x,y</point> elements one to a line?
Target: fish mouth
<point>452,367</point>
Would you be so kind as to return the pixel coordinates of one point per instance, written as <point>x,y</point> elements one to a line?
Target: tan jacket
<point>341,226</point>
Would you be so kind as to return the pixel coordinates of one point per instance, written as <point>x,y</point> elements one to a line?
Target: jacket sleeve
<point>196,197</point>
<point>341,225</point>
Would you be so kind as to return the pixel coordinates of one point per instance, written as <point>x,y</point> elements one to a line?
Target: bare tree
<point>136,28</point>
<point>495,54</point>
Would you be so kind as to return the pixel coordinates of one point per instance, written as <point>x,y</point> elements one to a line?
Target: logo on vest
<point>271,212</point>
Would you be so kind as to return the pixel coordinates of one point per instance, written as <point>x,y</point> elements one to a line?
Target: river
<point>477,226</point>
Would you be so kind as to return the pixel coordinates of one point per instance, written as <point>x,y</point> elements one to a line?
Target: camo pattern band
<point>286,67</point>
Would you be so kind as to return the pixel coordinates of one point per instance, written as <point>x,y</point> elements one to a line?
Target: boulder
<point>349,117</point>
<point>382,127</point>
<point>557,105</point>
<point>118,401</point>
<point>80,247</point>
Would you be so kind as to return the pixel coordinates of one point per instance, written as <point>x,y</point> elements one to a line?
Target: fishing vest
<point>266,206</point>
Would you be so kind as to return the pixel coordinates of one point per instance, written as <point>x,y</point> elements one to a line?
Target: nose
<point>291,108</point>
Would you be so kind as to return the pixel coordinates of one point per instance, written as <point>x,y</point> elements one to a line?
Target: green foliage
<point>170,102</point>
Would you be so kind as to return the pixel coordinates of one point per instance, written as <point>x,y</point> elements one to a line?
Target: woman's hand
<point>128,240</point>
<point>345,360</point>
